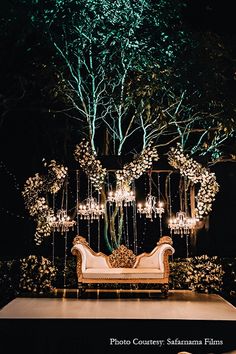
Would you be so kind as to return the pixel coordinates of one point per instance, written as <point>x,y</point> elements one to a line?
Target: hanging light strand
<point>160,205</point>
<point>89,215</point>
<point>65,234</point>
<point>99,227</point>
<point>135,224</point>
<point>77,201</point>
<point>127,227</point>
<point>53,231</point>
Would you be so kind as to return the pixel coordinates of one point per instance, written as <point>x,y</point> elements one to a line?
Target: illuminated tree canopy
<point>126,73</point>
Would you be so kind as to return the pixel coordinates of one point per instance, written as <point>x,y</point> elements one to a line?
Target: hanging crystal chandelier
<point>122,196</point>
<point>61,222</point>
<point>182,224</point>
<point>91,209</point>
<point>151,208</point>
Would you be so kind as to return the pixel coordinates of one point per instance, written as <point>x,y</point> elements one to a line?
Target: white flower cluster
<point>37,204</point>
<point>137,167</point>
<point>43,228</point>
<point>196,173</point>
<point>33,186</point>
<point>205,274</point>
<point>56,176</point>
<point>37,274</point>
<point>88,162</point>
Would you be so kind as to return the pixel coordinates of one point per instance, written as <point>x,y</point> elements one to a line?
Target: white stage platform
<point>103,322</point>
<point>180,305</point>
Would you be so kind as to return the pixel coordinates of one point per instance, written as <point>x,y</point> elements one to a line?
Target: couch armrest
<point>164,251</point>
<point>88,258</point>
<point>157,258</point>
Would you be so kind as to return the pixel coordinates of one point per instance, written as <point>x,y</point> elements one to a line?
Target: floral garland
<point>37,204</point>
<point>137,167</point>
<point>84,155</point>
<point>96,173</point>
<point>197,174</point>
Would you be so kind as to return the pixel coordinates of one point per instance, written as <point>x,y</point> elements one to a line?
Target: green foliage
<point>35,275</point>
<point>229,278</point>
<point>178,274</point>
<point>109,64</point>
<point>134,32</point>
<point>67,273</point>
<point>9,280</point>
<point>103,48</point>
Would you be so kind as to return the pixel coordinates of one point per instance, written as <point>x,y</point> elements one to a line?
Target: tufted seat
<point>123,273</point>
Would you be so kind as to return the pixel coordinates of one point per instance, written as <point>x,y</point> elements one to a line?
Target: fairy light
<point>10,174</point>
<point>53,232</point>
<point>99,227</point>
<point>127,227</point>
<point>77,200</point>
<point>160,205</point>
<point>10,213</point>
<point>134,217</point>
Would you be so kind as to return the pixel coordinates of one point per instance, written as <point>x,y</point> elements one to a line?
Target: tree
<point>130,71</point>
<point>127,73</point>
<point>105,46</point>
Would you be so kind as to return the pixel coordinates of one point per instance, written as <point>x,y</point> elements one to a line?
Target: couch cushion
<point>122,273</point>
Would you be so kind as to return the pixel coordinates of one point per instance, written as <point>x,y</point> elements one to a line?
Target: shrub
<point>69,272</point>
<point>37,275</point>
<point>178,274</point>
<point>9,279</point>
<point>205,274</point>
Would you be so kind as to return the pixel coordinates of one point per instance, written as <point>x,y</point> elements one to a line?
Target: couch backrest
<point>91,259</point>
<point>148,260</point>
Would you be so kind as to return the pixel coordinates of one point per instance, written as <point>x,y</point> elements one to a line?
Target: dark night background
<point>29,133</point>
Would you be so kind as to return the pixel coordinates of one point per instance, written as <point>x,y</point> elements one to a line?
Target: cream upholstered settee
<point>123,266</point>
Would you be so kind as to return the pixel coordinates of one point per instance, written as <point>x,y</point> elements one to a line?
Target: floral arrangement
<point>84,155</point>
<point>36,203</point>
<point>196,173</point>
<point>138,166</point>
<point>93,167</point>
<point>199,273</point>
<point>205,274</point>
<point>37,275</point>
<point>56,176</point>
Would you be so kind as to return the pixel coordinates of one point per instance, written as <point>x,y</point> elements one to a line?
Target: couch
<point>123,266</point>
